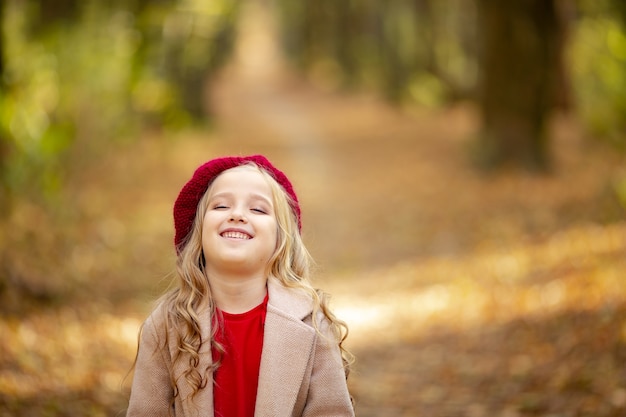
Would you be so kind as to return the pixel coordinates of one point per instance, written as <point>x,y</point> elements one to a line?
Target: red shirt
<point>236,380</point>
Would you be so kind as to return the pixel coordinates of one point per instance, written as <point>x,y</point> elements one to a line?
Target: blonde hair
<point>290,265</point>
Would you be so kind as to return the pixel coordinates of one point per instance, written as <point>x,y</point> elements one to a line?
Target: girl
<point>243,333</point>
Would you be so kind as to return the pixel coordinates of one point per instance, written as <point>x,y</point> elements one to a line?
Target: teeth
<point>235,235</point>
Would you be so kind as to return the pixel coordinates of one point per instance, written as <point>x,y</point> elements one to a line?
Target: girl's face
<point>239,229</point>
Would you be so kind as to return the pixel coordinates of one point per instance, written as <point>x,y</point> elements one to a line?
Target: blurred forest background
<point>460,164</point>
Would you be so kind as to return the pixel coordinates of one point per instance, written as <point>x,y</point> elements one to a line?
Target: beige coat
<point>301,373</point>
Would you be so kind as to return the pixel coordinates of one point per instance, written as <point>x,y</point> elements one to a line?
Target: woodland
<point>461,168</point>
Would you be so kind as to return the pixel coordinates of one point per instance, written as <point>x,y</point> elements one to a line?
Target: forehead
<point>242,178</point>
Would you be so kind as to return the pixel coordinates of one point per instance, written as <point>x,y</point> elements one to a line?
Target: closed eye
<point>258,210</point>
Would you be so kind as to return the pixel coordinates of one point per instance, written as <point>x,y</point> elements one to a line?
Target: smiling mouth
<point>236,235</point>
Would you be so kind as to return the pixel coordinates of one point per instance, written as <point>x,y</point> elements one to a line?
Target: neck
<point>236,294</point>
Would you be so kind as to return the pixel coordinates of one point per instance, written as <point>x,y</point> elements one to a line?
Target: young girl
<point>243,333</point>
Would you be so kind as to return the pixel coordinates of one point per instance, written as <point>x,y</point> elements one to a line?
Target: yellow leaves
<point>534,328</point>
<point>60,351</point>
<point>577,269</point>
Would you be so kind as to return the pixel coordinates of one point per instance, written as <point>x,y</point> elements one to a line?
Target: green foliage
<point>410,51</point>
<point>31,99</point>
<point>198,36</point>
<point>67,88</point>
<point>78,84</point>
<point>598,55</point>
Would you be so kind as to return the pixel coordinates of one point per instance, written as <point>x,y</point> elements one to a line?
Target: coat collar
<point>287,301</point>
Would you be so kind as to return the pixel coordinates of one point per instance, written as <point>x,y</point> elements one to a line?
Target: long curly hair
<point>290,264</point>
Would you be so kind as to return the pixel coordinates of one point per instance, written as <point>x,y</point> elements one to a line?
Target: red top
<point>236,380</point>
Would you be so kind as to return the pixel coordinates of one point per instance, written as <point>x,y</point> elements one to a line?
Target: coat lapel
<point>287,349</point>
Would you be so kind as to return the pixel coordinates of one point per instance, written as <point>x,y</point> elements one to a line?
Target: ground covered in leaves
<point>467,293</point>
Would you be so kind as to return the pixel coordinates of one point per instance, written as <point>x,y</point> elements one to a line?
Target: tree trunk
<point>518,63</point>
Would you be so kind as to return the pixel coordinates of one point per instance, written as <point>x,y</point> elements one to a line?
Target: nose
<point>237,216</point>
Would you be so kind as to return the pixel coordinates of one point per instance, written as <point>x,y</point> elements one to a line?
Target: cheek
<point>208,228</point>
<point>271,236</point>
<point>210,221</point>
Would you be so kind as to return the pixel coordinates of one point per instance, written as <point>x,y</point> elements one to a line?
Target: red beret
<point>187,202</point>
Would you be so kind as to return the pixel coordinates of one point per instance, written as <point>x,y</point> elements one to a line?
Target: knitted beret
<point>186,204</point>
